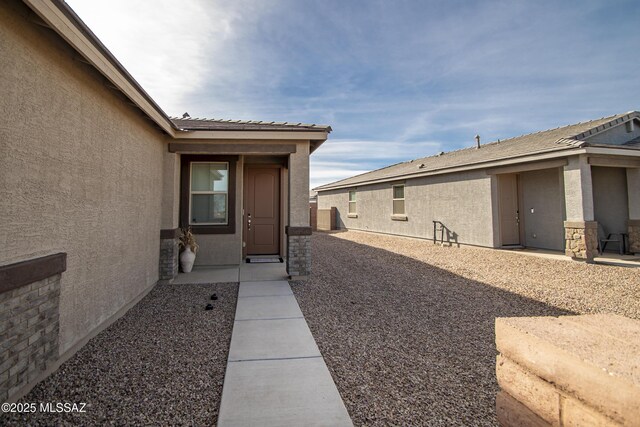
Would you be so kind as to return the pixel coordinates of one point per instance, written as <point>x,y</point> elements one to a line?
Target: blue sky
<point>396,80</point>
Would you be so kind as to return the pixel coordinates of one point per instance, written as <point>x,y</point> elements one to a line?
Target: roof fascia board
<point>235,148</point>
<point>569,151</point>
<point>614,161</point>
<point>633,152</point>
<point>262,135</point>
<point>527,167</point>
<point>62,25</point>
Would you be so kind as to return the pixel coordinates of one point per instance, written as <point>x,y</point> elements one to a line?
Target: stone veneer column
<point>581,231</point>
<point>581,239</point>
<point>298,231</point>
<point>29,319</point>
<point>169,254</point>
<point>170,233</point>
<point>299,252</point>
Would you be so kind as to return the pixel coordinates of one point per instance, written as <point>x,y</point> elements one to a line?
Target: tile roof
<point>244,125</point>
<point>563,138</point>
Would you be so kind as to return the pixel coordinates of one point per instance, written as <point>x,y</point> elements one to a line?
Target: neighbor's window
<point>398,199</point>
<point>208,193</point>
<point>352,201</point>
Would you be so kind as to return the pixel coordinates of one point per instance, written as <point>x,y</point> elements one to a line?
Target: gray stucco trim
<point>398,217</point>
<point>180,147</point>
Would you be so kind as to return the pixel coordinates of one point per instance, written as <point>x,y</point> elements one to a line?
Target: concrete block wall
<point>568,371</point>
<point>29,326</point>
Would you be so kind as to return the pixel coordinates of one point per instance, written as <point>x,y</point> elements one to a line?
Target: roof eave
<point>64,21</point>
<point>311,135</point>
<point>619,150</point>
<point>549,154</point>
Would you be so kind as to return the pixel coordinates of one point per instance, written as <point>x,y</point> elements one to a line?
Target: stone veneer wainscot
<point>299,252</point>
<point>581,239</point>
<point>29,321</point>
<point>169,254</point>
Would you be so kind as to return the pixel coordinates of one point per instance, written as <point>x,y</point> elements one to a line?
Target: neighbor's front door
<point>509,211</point>
<point>262,210</point>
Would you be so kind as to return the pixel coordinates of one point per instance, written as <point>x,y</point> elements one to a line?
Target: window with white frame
<point>208,193</point>
<point>352,201</point>
<point>398,199</point>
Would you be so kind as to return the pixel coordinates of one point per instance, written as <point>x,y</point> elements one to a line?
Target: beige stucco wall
<point>462,201</point>
<point>224,249</point>
<point>610,201</point>
<point>81,173</point>
<point>543,191</point>
<point>170,190</point>
<point>299,185</point>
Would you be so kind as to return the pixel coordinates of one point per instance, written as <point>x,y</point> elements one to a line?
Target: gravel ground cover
<point>162,363</point>
<point>407,328</point>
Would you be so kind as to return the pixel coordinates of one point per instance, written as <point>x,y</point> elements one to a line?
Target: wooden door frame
<point>521,215</point>
<point>245,195</point>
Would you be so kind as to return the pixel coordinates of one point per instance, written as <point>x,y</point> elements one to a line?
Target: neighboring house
<point>96,181</point>
<point>552,190</point>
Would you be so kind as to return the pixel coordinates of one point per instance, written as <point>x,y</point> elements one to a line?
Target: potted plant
<point>188,255</point>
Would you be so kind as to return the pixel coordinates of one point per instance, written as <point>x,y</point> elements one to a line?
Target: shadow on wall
<point>407,343</point>
<point>440,234</point>
<point>443,235</point>
<point>340,225</point>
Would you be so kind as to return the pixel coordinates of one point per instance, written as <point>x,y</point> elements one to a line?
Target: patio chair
<point>604,238</point>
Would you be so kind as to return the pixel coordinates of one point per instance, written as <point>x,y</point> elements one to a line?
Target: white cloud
<point>340,149</point>
<point>170,47</point>
<point>395,80</point>
<point>340,158</point>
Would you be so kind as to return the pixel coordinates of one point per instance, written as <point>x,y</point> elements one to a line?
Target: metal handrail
<point>441,229</point>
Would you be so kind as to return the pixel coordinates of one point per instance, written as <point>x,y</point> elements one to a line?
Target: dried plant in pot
<point>189,249</point>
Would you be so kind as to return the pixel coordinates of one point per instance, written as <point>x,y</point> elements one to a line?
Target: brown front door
<point>262,210</point>
<point>509,213</point>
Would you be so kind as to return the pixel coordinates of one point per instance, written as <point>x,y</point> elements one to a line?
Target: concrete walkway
<point>275,374</point>
<point>607,258</point>
<point>233,273</point>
